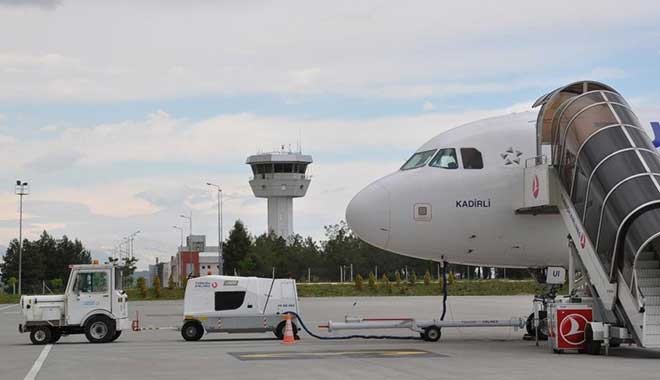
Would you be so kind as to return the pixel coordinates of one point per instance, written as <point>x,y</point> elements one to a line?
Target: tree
<point>388,285</point>
<point>12,283</point>
<point>412,280</point>
<point>157,287</point>
<point>142,287</point>
<point>170,282</point>
<point>128,267</point>
<point>359,282</point>
<point>236,248</point>
<point>56,285</point>
<point>372,281</point>
<point>44,259</point>
<point>427,278</point>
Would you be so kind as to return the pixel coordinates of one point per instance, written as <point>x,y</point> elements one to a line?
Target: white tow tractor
<point>235,304</point>
<point>94,304</point>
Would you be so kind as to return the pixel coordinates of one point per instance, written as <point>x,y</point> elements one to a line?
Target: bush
<point>412,279</point>
<point>427,278</point>
<point>56,284</point>
<point>397,278</point>
<point>142,287</point>
<point>170,282</point>
<point>185,281</point>
<point>359,282</point>
<point>372,281</point>
<point>157,287</point>
<point>386,281</point>
<point>451,278</point>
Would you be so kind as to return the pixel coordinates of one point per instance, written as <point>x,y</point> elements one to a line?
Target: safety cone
<point>288,331</point>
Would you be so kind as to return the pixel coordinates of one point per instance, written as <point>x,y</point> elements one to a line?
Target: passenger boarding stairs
<point>603,178</point>
<point>648,277</point>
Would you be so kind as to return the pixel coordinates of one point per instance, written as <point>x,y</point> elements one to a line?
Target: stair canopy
<point>610,168</point>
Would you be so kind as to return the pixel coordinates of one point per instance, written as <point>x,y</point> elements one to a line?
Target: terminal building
<point>280,177</point>
<point>194,259</point>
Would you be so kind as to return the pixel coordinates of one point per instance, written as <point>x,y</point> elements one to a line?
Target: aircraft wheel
<point>543,325</point>
<point>41,335</point>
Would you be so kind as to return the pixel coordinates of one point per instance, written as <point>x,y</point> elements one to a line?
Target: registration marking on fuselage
<point>355,354</point>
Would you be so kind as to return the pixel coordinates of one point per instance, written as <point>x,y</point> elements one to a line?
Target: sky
<point>118,113</point>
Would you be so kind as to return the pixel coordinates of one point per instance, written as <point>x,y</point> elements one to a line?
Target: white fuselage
<point>467,215</point>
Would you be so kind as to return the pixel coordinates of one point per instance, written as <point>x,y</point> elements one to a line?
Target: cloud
<point>6,140</point>
<point>388,51</point>
<point>428,106</point>
<point>44,4</point>
<point>604,74</point>
<point>49,128</point>
<point>55,161</point>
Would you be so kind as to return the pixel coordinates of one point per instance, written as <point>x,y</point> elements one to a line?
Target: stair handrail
<point>541,159</point>
<point>639,294</point>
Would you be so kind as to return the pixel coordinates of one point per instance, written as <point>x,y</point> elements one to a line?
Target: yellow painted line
<point>274,355</point>
<point>404,353</point>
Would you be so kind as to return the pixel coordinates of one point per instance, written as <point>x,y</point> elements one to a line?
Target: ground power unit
<point>233,304</point>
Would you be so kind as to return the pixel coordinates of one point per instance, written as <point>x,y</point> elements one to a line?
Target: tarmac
<point>468,353</point>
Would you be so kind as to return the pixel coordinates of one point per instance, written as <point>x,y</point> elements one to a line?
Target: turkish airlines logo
<point>583,240</point>
<point>214,285</point>
<point>535,186</point>
<point>572,328</point>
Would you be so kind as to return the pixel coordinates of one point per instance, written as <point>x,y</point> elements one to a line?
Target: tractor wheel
<point>41,335</point>
<point>100,329</point>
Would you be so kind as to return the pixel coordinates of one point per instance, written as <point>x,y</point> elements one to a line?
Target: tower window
<point>283,168</point>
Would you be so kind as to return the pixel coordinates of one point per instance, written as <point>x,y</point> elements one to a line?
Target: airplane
<point>453,200</point>
<point>461,198</point>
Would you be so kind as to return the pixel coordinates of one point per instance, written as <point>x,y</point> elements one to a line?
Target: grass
<point>165,294</point>
<point>9,298</point>
<point>458,288</point>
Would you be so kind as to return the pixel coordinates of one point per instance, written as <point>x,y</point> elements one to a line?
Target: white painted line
<point>34,371</point>
<point>7,307</point>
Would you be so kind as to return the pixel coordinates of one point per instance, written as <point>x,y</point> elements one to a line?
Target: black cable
<point>442,318</point>
<point>444,290</point>
<point>302,324</point>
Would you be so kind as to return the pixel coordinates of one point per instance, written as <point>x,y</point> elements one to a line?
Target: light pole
<point>189,228</point>
<point>22,189</point>
<point>181,230</point>
<point>179,261</point>
<point>131,238</point>
<point>220,237</point>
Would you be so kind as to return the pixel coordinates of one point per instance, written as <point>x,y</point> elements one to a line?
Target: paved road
<point>495,353</point>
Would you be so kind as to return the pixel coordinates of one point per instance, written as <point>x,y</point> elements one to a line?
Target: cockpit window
<point>446,159</point>
<point>418,160</point>
<point>472,158</point>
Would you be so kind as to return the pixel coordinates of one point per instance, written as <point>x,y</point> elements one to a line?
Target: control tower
<point>280,177</point>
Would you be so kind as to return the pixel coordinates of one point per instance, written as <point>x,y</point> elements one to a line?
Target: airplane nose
<point>368,215</point>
